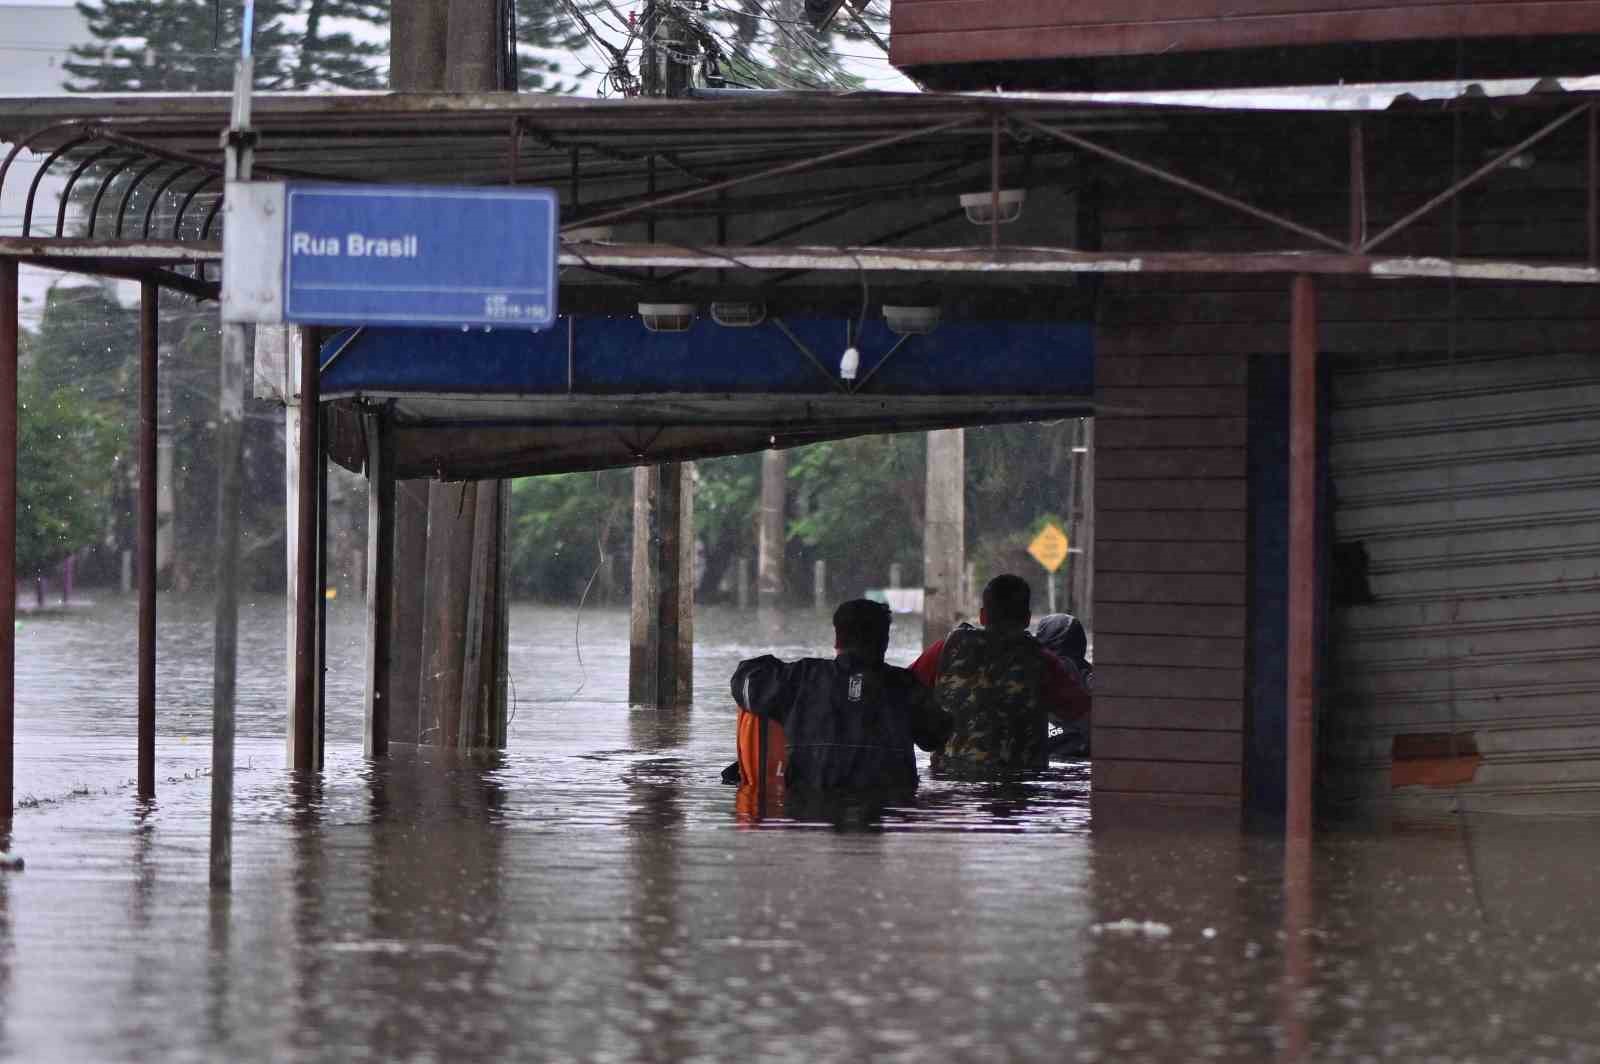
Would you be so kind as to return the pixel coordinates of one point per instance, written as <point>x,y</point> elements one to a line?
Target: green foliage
<point>567,528</point>
<point>65,466</point>
<point>858,504</point>
<point>191,45</point>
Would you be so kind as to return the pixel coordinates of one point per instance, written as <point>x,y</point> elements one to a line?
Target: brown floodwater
<point>594,894</point>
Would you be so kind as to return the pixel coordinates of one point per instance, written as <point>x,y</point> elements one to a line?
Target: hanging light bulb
<point>849,363</point>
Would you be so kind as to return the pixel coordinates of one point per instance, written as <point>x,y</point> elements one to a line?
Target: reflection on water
<point>592,893</point>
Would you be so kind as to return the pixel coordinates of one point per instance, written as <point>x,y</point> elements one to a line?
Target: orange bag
<point>750,752</point>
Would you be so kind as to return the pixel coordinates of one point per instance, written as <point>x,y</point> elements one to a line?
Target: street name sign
<point>1049,547</point>
<point>406,255</point>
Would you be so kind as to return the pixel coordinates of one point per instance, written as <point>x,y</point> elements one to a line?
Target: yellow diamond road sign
<point>1049,547</point>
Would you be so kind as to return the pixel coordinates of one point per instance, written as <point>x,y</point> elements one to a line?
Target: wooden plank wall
<point>1170,553</point>
<point>964,31</point>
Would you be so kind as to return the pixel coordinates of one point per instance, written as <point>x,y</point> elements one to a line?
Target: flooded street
<point>593,895</point>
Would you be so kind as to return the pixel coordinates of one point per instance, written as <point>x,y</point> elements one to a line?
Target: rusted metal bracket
<point>777,171</point>
<point>1477,175</point>
<point>1151,170</point>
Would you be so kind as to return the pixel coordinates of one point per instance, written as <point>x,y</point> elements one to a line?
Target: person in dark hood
<point>1063,635</point>
<point>849,722</point>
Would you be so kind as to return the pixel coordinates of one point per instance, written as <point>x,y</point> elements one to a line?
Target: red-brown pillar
<point>149,323</point>
<point>307,593</point>
<point>8,528</point>
<point>1302,553</point>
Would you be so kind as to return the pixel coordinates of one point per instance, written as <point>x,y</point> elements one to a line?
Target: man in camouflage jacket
<point>1000,687</point>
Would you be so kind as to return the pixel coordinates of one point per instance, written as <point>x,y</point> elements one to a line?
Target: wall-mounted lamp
<point>980,205</point>
<point>735,314</point>
<point>667,317</point>
<point>911,320</point>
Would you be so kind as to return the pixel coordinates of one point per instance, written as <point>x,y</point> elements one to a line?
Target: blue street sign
<point>420,256</point>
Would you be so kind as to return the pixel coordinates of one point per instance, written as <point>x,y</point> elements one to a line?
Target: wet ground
<point>594,895</point>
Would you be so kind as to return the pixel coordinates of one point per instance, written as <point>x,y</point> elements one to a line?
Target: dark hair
<point>1007,601</point>
<point>862,625</point>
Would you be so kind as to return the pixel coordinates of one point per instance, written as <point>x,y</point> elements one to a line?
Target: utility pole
<point>447,648</point>
<point>772,534</point>
<point>944,540</point>
<point>661,636</point>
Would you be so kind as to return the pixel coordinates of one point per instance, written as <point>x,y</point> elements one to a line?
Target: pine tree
<point>331,53</point>
<point>176,46</point>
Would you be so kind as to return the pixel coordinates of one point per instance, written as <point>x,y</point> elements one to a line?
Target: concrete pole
<point>742,583</point>
<point>149,323</point>
<point>1083,564</point>
<point>8,531</point>
<point>452,525</point>
<point>1302,554</point>
<point>660,659</point>
<point>772,533</point>
<point>819,583</point>
<point>944,546</point>
<point>449,45</point>
<point>418,31</point>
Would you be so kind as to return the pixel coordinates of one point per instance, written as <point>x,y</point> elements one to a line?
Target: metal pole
<point>320,725</point>
<point>149,324</point>
<point>8,529</point>
<point>305,562</point>
<point>1302,552</point>
<point>236,342</point>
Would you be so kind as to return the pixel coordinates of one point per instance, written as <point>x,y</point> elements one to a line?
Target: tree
<point>176,46</point>
<point>65,466</point>
<point>334,56</point>
<point>567,529</point>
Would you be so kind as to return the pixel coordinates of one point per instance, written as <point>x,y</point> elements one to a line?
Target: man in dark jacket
<point>849,722</point>
<point>999,686</point>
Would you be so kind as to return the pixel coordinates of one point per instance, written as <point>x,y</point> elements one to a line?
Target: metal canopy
<point>794,194</point>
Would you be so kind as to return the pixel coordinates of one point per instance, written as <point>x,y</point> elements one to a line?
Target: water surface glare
<point>593,894</point>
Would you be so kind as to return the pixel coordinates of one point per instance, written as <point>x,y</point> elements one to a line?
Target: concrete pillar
<point>742,583</point>
<point>944,545</point>
<point>472,46</point>
<point>407,596</point>
<point>452,524</point>
<point>418,32</point>
<point>772,533</point>
<point>819,584</point>
<point>381,586</point>
<point>896,574</point>
<point>454,45</point>
<point>661,659</point>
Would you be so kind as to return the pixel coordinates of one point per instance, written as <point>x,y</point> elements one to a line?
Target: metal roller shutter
<point>1472,486</point>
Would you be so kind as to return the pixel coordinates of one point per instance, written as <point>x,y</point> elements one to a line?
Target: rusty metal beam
<point>1358,184</point>
<point>72,181</point>
<point>1184,183</point>
<point>306,592</point>
<point>1302,555</point>
<point>38,176</point>
<point>145,548</point>
<point>1477,175</point>
<point>9,337</point>
<point>155,198</point>
<point>777,171</point>
<point>127,193</point>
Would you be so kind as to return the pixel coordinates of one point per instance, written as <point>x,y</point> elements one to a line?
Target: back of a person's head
<point>1063,635</point>
<point>862,627</point>
<point>1007,602</point>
